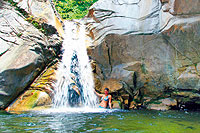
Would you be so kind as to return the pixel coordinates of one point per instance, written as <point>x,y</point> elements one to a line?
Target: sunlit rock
<point>115,85</point>
<point>126,17</point>
<point>30,100</point>
<point>45,12</point>
<point>151,45</point>
<point>46,80</point>
<point>39,95</point>
<point>24,53</point>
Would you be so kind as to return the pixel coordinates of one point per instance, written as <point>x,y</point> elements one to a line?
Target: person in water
<point>105,99</point>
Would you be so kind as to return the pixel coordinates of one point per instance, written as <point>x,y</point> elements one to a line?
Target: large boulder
<point>24,53</point>
<point>151,56</point>
<point>152,48</point>
<point>30,100</point>
<point>40,93</point>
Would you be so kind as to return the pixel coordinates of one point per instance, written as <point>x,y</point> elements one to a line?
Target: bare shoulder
<point>109,96</point>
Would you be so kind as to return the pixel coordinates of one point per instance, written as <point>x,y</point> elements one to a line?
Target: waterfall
<point>74,86</point>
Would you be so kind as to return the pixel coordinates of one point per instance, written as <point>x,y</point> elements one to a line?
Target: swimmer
<point>105,99</point>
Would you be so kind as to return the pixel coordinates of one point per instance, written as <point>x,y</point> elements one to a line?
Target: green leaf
<point>73,9</point>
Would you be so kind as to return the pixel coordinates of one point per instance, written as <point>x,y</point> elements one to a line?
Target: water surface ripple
<point>100,120</point>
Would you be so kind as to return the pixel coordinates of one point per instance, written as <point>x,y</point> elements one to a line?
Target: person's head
<point>106,90</point>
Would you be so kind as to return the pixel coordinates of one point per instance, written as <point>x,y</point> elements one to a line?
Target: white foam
<point>79,110</point>
<point>74,42</point>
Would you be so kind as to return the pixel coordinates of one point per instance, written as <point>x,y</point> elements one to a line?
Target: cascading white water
<point>74,70</point>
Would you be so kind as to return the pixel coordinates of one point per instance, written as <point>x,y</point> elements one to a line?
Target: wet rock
<point>113,85</point>
<point>97,75</point>
<point>146,99</point>
<point>40,93</point>
<point>189,95</point>
<point>46,80</point>
<point>158,107</point>
<point>97,70</point>
<point>30,100</point>
<point>162,104</point>
<point>169,102</point>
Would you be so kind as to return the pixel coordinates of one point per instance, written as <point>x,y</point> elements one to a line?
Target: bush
<point>73,9</point>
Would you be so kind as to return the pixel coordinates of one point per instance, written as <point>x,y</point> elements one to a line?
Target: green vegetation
<point>68,9</point>
<point>73,9</point>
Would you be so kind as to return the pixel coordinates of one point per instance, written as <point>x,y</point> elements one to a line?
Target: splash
<point>74,86</point>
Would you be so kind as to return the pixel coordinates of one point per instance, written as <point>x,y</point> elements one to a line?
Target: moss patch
<point>27,101</point>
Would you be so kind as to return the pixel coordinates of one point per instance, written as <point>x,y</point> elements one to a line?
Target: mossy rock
<point>46,80</point>
<point>30,100</point>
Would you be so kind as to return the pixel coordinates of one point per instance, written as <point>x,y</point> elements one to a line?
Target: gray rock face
<point>126,17</point>
<point>24,52</point>
<point>151,45</point>
<point>40,9</point>
<point>44,11</point>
